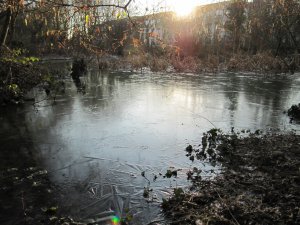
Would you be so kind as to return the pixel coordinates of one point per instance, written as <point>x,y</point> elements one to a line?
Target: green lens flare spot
<point>115,220</point>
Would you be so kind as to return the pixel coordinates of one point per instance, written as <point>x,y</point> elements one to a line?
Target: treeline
<point>261,35</point>
<point>45,27</point>
<point>216,34</point>
<point>222,29</point>
<point>252,27</point>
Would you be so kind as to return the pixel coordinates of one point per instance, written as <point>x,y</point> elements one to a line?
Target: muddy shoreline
<point>259,182</point>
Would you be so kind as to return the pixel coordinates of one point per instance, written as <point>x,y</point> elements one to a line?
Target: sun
<point>183,7</point>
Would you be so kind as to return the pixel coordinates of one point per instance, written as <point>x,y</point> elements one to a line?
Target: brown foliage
<point>137,61</point>
<point>158,64</point>
<point>187,64</point>
<point>263,62</point>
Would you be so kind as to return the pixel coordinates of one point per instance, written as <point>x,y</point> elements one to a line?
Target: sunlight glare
<point>183,7</point>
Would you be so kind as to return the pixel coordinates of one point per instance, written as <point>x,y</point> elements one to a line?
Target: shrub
<point>158,64</point>
<point>187,64</point>
<point>294,111</point>
<point>18,75</point>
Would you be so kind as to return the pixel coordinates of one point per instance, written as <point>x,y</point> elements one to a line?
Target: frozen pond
<point>95,145</point>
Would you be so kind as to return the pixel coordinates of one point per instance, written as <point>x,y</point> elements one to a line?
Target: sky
<point>181,7</point>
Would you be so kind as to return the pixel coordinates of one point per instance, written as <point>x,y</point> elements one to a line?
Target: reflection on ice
<point>96,145</point>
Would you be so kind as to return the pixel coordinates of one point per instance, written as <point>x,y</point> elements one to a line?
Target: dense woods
<point>228,27</point>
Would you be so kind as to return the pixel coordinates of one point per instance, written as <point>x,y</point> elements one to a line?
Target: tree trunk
<point>6,27</point>
<point>12,25</point>
<point>278,46</point>
<point>293,40</point>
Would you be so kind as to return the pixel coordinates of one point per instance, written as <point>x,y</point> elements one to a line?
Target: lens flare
<point>115,220</point>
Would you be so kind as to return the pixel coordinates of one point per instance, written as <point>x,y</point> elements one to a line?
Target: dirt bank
<point>259,182</point>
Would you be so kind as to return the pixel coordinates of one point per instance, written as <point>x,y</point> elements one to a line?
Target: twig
<point>154,222</point>
<point>23,203</point>
<point>197,114</point>
<point>227,208</point>
<point>36,102</point>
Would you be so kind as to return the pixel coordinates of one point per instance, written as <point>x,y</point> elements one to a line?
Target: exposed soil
<point>259,182</point>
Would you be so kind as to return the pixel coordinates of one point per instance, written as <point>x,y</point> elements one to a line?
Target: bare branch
<point>56,4</point>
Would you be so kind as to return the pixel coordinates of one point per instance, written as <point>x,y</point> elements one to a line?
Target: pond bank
<point>261,63</point>
<point>259,183</point>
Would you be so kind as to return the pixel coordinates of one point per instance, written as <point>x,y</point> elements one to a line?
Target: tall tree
<point>235,24</point>
<point>69,16</point>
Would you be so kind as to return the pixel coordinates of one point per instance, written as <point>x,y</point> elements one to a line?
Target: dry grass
<point>187,64</point>
<point>158,64</point>
<point>263,62</point>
